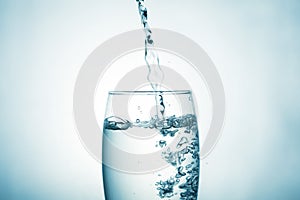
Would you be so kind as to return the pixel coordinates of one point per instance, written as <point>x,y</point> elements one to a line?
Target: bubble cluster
<point>166,188</point>
<point>166,126</point>
<point>186,162</point>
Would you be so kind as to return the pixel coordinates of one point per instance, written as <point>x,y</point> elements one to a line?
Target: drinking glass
<point>150,146</point>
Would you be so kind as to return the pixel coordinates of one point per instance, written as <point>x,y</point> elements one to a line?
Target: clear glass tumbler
<point>150,146</point>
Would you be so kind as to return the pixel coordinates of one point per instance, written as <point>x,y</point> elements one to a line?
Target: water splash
<point>155,74</point>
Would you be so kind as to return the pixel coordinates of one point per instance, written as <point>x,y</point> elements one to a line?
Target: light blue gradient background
<point>254,44</point>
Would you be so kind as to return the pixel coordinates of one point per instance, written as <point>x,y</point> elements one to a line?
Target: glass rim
<point>149,92</point>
